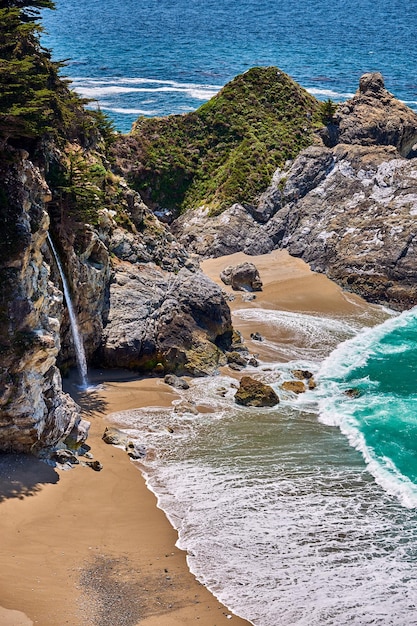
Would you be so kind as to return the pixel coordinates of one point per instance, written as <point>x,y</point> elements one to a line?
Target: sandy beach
<point>91,548</point>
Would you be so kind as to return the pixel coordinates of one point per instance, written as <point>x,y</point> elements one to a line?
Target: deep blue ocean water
<point>304,514</point>
<point>169,56</point>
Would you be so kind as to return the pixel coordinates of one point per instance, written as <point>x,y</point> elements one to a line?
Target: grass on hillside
<point>224,152</point>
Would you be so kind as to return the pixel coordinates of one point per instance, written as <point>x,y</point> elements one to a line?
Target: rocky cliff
<point>141,302</point>
<point>346,205</point>
<point>34,411</point>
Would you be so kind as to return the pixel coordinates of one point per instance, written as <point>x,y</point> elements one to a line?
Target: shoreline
<point>92,548</point>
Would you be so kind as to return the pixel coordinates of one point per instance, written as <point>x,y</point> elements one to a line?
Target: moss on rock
<point>253,392</point>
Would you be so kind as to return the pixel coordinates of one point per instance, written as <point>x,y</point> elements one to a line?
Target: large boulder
<point>165,322</point>
<point>242,277</point>
<point>375,117</point>
<point>253,392</point>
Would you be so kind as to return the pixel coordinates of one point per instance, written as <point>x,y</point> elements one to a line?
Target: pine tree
<point>34,99</point>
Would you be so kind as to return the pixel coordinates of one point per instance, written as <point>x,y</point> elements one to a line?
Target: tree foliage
<point>34,99</point>
<point>327,111</point>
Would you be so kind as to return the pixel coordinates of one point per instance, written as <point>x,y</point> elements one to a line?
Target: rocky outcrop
<point>347,208</point>
<point>34,411</point>
<point>295,386</point>
<point>358,224</point>
<point>234,230</point>
<point>253,392</point>
<point>242,277</point>
<point>373,117</point>
<point>157,319</point>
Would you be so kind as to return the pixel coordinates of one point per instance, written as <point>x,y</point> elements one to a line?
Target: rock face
<point>180,321</point>
<point>357,224</point>
<point>235,230</point>
<point>252,392</point>
<point>374,117</point>
<point>348,208</point>
<point>34,411</point>
<point>242,277</point>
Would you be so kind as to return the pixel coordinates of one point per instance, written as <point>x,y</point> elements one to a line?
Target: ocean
<point>306,513</point>
<point>169,56</point>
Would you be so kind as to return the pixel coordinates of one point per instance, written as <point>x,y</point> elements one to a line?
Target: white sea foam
<point>354,352</point>
<point>125,111</point>
<point>299,335</point>
<point>277,515</point>
<point>337,409</point>
<point>328,93</point>
<point>98,88</point>
<point>142,81</point>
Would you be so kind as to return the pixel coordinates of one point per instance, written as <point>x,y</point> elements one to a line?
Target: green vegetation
<point>327,111</point>
<point>34,100</point>
<point>83,187</point>
<point>227,150</point>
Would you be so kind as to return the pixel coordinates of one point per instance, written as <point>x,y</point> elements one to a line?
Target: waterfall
<point>76,335</point>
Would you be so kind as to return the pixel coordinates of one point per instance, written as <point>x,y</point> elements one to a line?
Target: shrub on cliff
<point>224,152</point>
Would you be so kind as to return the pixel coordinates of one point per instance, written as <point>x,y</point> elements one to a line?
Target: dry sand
<point>90,548</point>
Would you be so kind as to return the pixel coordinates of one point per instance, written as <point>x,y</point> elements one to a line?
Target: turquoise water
<point>381,365</point>
<point>155,58</point>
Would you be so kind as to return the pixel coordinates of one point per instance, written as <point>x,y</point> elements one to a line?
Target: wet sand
<point>90,548</point>
<point>288,285</point>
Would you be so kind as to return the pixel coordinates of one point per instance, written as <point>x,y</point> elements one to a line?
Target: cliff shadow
<point>91,402</point>
<point>23,475</point>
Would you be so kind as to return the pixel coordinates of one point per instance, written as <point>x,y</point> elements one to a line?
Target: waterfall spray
<point>76,335</point>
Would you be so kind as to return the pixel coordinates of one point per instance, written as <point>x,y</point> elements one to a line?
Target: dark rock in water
<point>256,336</point>
<point>186,406</point>
<point>296,386</point>
<point>176,381</point>
<point>114,437</point>
<point>243,277</point>
<point>253,362</point>
<point>237,358</point>
<point>236,367</point>
<point>135,450</point>
<point>352,393</point>
<point>252,392</point>
<point>302,374</point>
<point>311,384</point>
